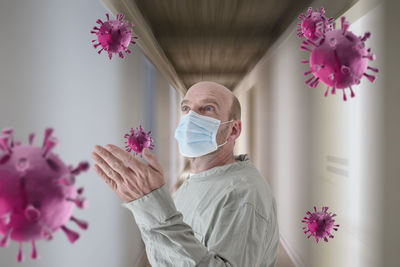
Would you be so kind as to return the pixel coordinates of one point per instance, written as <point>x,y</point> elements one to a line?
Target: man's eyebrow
<point>207,100</point>
<point>184,101</point>
<point>210,100</point>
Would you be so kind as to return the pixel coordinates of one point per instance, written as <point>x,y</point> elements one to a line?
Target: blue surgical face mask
<point>197,135</point>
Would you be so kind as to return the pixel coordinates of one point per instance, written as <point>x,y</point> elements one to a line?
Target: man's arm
<point>238,235</point>
<point>238,238</point>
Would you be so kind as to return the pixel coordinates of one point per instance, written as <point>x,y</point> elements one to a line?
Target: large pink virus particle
<point>313,25</point>
<point>138,139</point>
<point>339,59</point>
<point>114,36</point>
<point>37,193</point>
<point>320,224</point>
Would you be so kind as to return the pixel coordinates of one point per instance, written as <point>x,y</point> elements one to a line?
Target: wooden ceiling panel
<point>212,54</point>
<point>228,79</point>
<point>220,40</point>
<point>207,15</point>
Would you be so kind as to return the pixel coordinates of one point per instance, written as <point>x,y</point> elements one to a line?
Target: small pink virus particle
<point>339,59</point>
<point>313,25</point>
<point>37,192</point>
<point>114,36</point>
<point>137,140</point>
<point>320,224</point>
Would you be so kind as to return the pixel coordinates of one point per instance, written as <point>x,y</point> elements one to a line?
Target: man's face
<point>209,99</point>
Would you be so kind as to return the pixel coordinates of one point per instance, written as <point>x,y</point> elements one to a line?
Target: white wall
<point>348,159</point>
<point>50,75</point>
<point>302,138</point>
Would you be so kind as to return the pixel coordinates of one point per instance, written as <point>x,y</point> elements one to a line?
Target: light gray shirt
<point>224,216</point>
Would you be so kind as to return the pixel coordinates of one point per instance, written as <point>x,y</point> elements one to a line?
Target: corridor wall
<point>323,151</point>
<point>50,75</point>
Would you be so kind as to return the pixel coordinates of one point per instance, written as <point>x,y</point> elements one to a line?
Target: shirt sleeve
<point>237,239</point>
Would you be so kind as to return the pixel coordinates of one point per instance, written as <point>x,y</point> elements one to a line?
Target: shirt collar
<point>240,161</point>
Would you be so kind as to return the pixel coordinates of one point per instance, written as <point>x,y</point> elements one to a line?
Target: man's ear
<point>236,130</point>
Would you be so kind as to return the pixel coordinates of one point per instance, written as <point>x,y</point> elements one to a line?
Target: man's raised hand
<point>126,175</point>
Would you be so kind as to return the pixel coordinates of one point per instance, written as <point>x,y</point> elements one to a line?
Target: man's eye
<point>185,108</point>
<point>209,108</point>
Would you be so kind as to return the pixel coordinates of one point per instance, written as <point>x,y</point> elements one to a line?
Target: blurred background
<point>312,150</point>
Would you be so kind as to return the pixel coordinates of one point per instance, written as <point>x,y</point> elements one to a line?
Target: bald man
<point>224,213</point>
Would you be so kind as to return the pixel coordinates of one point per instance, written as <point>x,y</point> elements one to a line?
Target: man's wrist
<point>130,199</point>
<point>153,208</point>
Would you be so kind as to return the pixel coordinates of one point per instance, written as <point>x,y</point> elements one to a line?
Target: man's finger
<point>105,178</point>
<point>115,163</point>
<point>130,160</point>
<point>107,170</point>
<point>152,160</point>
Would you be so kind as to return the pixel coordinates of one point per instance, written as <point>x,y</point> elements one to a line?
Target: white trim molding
<point>291,252</point>
<point>146,40</point>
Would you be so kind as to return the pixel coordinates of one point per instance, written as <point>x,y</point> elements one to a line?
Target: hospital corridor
<point>171,133</point>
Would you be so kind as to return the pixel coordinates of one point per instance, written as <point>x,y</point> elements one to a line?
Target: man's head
<point>216,101</point>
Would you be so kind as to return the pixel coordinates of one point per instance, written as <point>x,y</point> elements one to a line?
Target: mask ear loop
<point>226,140</point>
<point>225,122</point>
<point>222,144</point>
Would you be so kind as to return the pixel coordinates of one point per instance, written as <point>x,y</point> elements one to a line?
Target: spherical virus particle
<point>114,36</point>
<point>37,192</point>
<point>339,59</point>
<point>137,140</point>
<point>313,25</point>
<point>320,224</point>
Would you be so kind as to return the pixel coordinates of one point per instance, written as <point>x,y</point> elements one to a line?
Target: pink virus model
<point>320,224</point>
<point>114,36</point>
<point>37,192</point>
<point>339,59</point>
<point>313,25</point>
<point>137,140</point>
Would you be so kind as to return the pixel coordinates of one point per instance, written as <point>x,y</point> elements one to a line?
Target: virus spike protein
<point>33,204</point>
<point>114,36</point>
<point>320,224</point>
<point>339,60</point>
<point>137,140</point>
<point>313,25</point>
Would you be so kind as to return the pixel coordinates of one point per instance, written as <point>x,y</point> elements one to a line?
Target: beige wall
<point>167,115</point>
<point>391,158</point>
<point>323,151</point>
